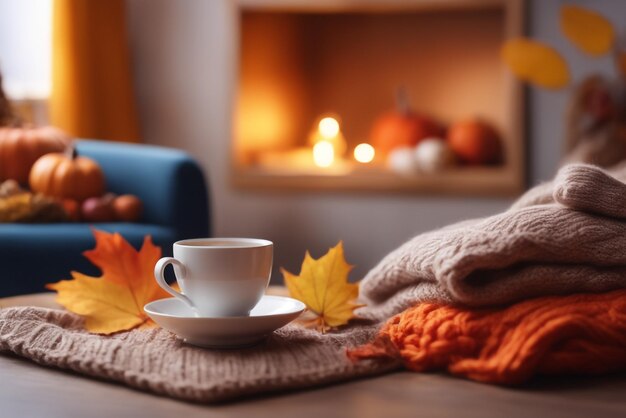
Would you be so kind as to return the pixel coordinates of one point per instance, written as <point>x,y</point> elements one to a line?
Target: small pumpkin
<point>21,147</point>
<point>67,176</point>
<point>475,142</point>
<point>127,208</point>
<point>433,155</point>
<point>98,209</point>
<point>402,127</point>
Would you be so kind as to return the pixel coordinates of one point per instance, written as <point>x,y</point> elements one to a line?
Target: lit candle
<point>364,153</point>
<point>328,128</point>
<point>323,154</point>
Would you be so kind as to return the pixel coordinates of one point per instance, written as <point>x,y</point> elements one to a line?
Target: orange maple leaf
<point>324,288</point>
<point>114,301</point>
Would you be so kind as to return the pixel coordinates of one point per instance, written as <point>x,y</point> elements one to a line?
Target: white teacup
<point>219,276</point>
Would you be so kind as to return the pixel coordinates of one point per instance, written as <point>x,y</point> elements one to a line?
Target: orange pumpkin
<point>475,142</point>
<point>402,127</point>
<point>21,147</point>
<point>127,208</point>
<point>396,130</point>
<point>67,176</point>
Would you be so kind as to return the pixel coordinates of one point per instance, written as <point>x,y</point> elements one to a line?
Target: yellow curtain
<point>92,94</point>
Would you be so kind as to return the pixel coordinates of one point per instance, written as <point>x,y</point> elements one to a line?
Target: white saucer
<point>271,313</point>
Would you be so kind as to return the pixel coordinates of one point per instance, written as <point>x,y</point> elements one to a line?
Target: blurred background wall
<point>184,58</point>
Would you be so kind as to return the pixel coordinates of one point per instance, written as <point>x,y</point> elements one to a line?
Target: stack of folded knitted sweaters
<point>458,289</point>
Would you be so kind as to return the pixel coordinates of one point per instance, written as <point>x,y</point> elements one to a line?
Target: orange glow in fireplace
<point>309,102</point>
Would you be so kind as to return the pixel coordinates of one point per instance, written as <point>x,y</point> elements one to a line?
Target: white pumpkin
<point>402,161</point>
<point>433,155</point>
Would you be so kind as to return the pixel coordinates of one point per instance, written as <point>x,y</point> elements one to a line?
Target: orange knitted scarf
<point>576,334</point>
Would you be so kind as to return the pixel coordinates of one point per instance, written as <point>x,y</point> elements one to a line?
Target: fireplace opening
<point>414,99</point>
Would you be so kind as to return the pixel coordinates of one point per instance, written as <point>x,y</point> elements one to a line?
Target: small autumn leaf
<point>588,30</point>
<point>114,301</point>
<point>536,63</point>
<point>323,287</point>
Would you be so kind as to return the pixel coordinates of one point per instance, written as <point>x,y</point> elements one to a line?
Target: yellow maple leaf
<point>114,301</point>
<point>324,288</point>
<point>588,30</point>
<point>536,63</point>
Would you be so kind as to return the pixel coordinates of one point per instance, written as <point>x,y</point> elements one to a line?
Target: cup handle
<point>159,269</point>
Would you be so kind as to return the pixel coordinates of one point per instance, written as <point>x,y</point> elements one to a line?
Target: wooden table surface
<point>29,390</point>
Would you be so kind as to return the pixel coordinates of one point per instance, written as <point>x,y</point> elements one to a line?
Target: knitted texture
<point>563,237</point>
<point>156,361</point>
<point>575,334</point>
<point>587,188</point>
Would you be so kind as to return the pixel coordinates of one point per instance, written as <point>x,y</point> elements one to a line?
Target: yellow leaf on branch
<point>324,288</point>
<point>588,30</point>
<point>114,301</point>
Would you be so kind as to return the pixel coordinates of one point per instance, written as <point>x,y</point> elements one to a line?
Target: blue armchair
<point>168,181</point>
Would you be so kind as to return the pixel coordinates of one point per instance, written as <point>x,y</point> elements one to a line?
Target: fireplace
<point>316,78</point>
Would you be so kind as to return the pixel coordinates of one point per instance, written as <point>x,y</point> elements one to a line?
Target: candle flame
<point>364,153</point>
<point>328,127</point>
<point>323,154</point>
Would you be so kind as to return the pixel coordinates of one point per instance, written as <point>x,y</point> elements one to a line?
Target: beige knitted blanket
<point>564,237</point>
<point>561,237</point>
<point>156,361</point>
